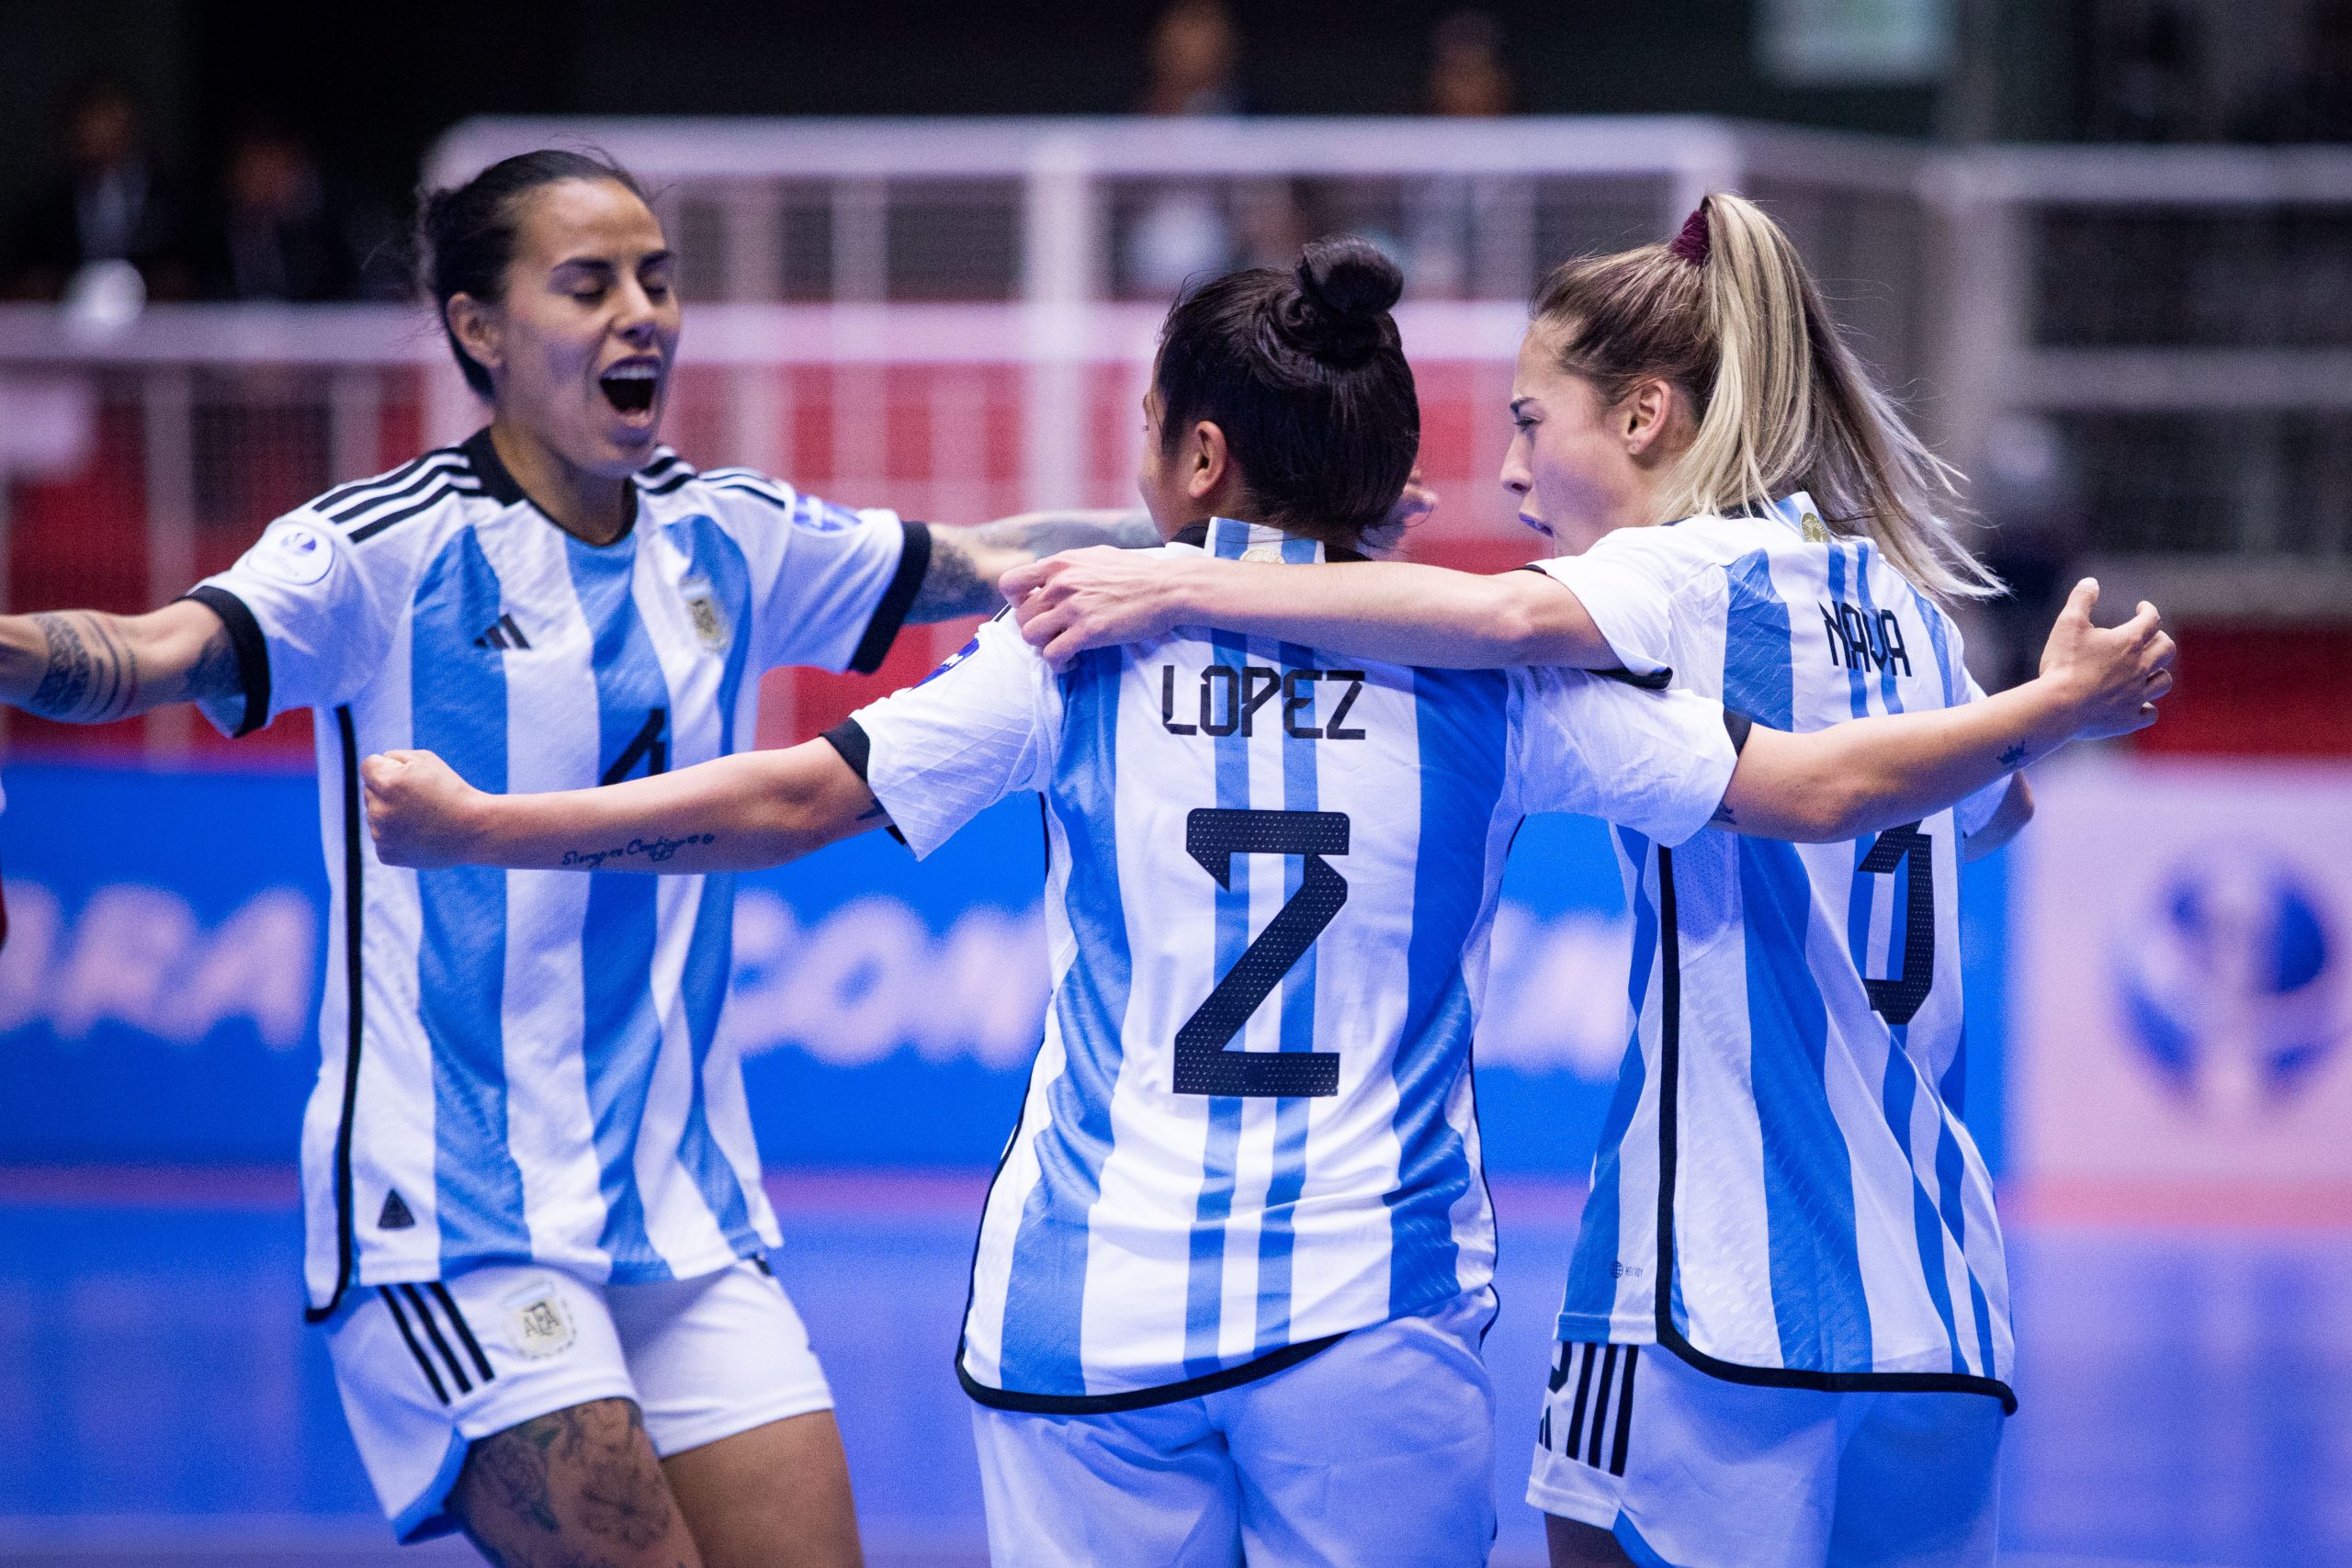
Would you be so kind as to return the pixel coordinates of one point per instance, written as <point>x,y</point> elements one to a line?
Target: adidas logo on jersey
<point>503,634</point>
<point>394,1215</point>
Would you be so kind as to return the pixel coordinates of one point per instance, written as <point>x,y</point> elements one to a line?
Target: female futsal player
<point>536,1223</point>
<point>1232,1273</point>
<point>1785,1196</point>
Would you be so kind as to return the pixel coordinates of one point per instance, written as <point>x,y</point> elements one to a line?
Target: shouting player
<point>1785,1197</point>
<point>535,1224</point>
<point>1233,1271</point>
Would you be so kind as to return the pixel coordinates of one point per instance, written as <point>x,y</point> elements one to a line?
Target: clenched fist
<point>419,810</point>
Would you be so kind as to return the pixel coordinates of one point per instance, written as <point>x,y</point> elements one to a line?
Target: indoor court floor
<point>2186,1394</point>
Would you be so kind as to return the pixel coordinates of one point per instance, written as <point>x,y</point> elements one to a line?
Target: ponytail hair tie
<point>1692,244</point>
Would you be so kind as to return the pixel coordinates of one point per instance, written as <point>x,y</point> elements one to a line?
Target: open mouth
<point>630,388</point>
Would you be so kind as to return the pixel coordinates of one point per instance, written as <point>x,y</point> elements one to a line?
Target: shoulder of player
<point>365,510</point>
<point>738,498</point>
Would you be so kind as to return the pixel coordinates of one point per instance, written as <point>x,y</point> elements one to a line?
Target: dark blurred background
<point>355,94</point>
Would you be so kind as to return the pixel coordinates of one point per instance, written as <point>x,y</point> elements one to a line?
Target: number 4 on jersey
<point>1203,1066</point>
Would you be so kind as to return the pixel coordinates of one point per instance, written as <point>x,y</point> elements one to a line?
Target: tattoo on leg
<point>576,1488</point>
<point>91,676</point>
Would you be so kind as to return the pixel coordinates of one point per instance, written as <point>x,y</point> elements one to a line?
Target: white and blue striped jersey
<point>1272,875</point>
<point>529,1066</point>
<point>1794,1080</point>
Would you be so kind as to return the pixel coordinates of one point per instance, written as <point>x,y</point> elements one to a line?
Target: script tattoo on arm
<point>965,562</point>
<point>92,675</point>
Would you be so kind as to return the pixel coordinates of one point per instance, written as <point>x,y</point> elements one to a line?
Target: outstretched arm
<point>1873,774</point>
<point>967,562</point>
<point>1392,611</point>
<point>738,813</point>
<point>88,667</point>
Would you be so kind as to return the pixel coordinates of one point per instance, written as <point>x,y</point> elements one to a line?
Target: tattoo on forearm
<point>1050,533</point>
<point>2015,756</point>
<point>92,675</point>
<point>956,584</point>
<point>654,850</point>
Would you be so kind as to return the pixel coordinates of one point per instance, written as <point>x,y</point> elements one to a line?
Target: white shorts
<point>425,1370</point>
<point>1379,1450</point>
<point>1689,1471</point>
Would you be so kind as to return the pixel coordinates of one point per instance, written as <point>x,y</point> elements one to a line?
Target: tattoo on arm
<point>1724,815</point>
<point>2014,756</point>
<point>1050,533</point>
<point>91,676</point>
<point>653,850</point>
<point>957,584</point>
<point>216,683</point>
<point>954,584</point>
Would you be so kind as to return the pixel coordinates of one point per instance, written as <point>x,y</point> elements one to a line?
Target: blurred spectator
<point>2030,487</point>
<point>1185,230</point>
<point>1467,76</point>
<point>281,233</point>
<point>111,206</point>
<point>1194,59</point>
<point>1442,214</point>
<point>2152,84</point>
<point>2316,105</point>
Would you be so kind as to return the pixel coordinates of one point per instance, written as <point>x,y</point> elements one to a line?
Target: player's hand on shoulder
<point>418,808</point>
<point>2112,676</point>
<point>1097,597</point>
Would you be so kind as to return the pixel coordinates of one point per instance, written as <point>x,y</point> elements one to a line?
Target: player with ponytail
<point>1786,1201</point>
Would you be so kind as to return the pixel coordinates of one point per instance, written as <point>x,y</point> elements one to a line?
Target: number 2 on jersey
<point>1203,1064</point>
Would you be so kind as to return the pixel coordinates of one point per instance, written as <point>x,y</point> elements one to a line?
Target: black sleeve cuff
<point>849,738</point>
<point>914,564</point>
<point>1657,681</point>
<point>251,648</point>
<point>1737,724</point>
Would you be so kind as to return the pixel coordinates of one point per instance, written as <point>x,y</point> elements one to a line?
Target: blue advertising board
<point>158,990</point>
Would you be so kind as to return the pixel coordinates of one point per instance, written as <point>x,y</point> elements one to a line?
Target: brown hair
<point>1729,317</point>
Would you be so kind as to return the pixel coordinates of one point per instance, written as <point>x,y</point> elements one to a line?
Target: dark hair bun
<point>1345,289</point>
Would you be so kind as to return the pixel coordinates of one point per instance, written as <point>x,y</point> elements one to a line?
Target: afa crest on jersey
<point>702,612</point>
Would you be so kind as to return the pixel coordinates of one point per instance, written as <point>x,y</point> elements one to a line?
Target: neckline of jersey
<point>498,483</point>
<point>1233,539</point>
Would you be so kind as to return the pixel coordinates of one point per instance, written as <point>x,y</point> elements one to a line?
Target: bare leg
<point>577,1488</point>
<point>1578,1545</point>
<point>776,1497</point>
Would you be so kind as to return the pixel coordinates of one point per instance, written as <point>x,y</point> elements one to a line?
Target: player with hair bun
<point>1234,1270</point>
<point>536,1227</point>
<point>1785,1199</point>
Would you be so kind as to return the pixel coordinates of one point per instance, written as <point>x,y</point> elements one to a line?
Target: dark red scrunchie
<point>1692,244</point>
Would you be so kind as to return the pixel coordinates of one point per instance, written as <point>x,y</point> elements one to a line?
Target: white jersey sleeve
<point>1628,584</point>
<point>974,731</point>
<point>831,587</point>
<point>1654,762</point>
<point>311,622</point>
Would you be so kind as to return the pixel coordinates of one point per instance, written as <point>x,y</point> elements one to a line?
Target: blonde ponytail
<point>1729,316</point>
